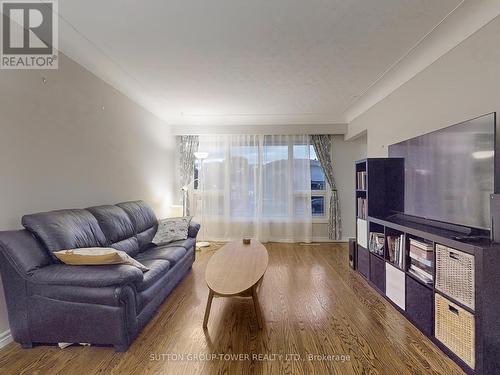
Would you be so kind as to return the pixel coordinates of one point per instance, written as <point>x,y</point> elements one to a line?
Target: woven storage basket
<point>455,274</point>
<point>455,328</point>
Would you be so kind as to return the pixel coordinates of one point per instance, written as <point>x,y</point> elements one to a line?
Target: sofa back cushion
<point>65,229</point>
<point>144,220</point>
<point>117,227</point>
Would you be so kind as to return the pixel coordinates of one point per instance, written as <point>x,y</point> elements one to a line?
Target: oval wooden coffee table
<point>235,270</point>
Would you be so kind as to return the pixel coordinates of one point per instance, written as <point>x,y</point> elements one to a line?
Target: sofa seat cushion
<point>91,276</point>
<point>187,244</point>
<point>175,273</point>
<point>65,229</point>
<point>158,268</point>
<point>171,253</point>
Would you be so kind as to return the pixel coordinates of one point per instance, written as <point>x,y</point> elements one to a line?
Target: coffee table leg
<point>207,310</point>
<point>256,306</point>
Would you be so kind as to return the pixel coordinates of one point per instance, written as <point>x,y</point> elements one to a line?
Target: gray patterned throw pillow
<point>172,229</point>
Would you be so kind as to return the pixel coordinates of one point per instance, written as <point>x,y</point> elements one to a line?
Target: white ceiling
<point>252,62</point>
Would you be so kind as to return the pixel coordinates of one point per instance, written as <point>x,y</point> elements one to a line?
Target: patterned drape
<point>187,145</point>
<point>323,145</point>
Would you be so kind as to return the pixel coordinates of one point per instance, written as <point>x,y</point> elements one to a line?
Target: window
<point>244,161</point>
<point>318,205</point>
<point>274,158</point>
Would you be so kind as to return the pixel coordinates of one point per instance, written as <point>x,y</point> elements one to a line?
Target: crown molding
<point>260,129</point>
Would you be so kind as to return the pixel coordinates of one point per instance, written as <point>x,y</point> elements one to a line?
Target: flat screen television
<point>449,173</point>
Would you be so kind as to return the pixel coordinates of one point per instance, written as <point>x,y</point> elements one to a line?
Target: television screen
<point>449,173</point>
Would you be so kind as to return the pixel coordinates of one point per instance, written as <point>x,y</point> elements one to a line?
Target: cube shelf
<point>427,274</point>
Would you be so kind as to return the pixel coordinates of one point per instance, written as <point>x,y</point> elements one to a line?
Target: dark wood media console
<point>459,309</point>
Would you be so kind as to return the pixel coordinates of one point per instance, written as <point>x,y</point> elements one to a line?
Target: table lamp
<point>176,211</point>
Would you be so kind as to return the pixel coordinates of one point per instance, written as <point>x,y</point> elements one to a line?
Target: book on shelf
<point>361,180</point>
<point>423,254</point>
<point>420,245</point>
<point>395,249</point>
<point>422,260</point>
<point>424,267</point>
<point>426,262</point>
<point>376,244</point>
<point>391,247</point>
<point>362,208</point>
<point>423,278</point>
<point>422,275</point>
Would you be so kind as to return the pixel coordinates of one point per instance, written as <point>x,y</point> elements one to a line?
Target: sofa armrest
<point>87,276</point>
<point>23,251</point>
<point>193,230</point>
<point>114,295</point>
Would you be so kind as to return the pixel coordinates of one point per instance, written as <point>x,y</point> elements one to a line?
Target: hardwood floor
<point>312,304</point>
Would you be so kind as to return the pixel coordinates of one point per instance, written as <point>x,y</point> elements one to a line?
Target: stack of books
<point>362,208</point>
<point>376,244</point>
<point>396,249</point>
<point>422,259</point>
<point>361,180</point>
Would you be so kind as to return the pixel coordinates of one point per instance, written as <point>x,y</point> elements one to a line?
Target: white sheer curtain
<point>256,186</point>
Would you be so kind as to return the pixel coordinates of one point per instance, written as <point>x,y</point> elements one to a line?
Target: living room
<point>258,187</point>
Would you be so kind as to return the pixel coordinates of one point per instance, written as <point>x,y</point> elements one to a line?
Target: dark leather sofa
<point>50,302</point>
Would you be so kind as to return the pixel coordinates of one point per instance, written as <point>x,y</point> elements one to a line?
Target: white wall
<point>59,148</point>
<point>344,155</point>
<point>462,84</point>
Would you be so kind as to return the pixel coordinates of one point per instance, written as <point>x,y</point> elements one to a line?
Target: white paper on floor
<point>63,345</point>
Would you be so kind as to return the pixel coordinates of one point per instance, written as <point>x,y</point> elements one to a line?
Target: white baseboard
<point>283,240</point>
<point>326,239</point>
<point>5,338</point>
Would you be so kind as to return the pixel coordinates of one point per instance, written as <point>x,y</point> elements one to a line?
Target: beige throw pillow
<point>93,256</point>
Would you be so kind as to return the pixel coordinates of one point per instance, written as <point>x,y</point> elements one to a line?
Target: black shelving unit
<point>384,195</point>
<point>410,295</point>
